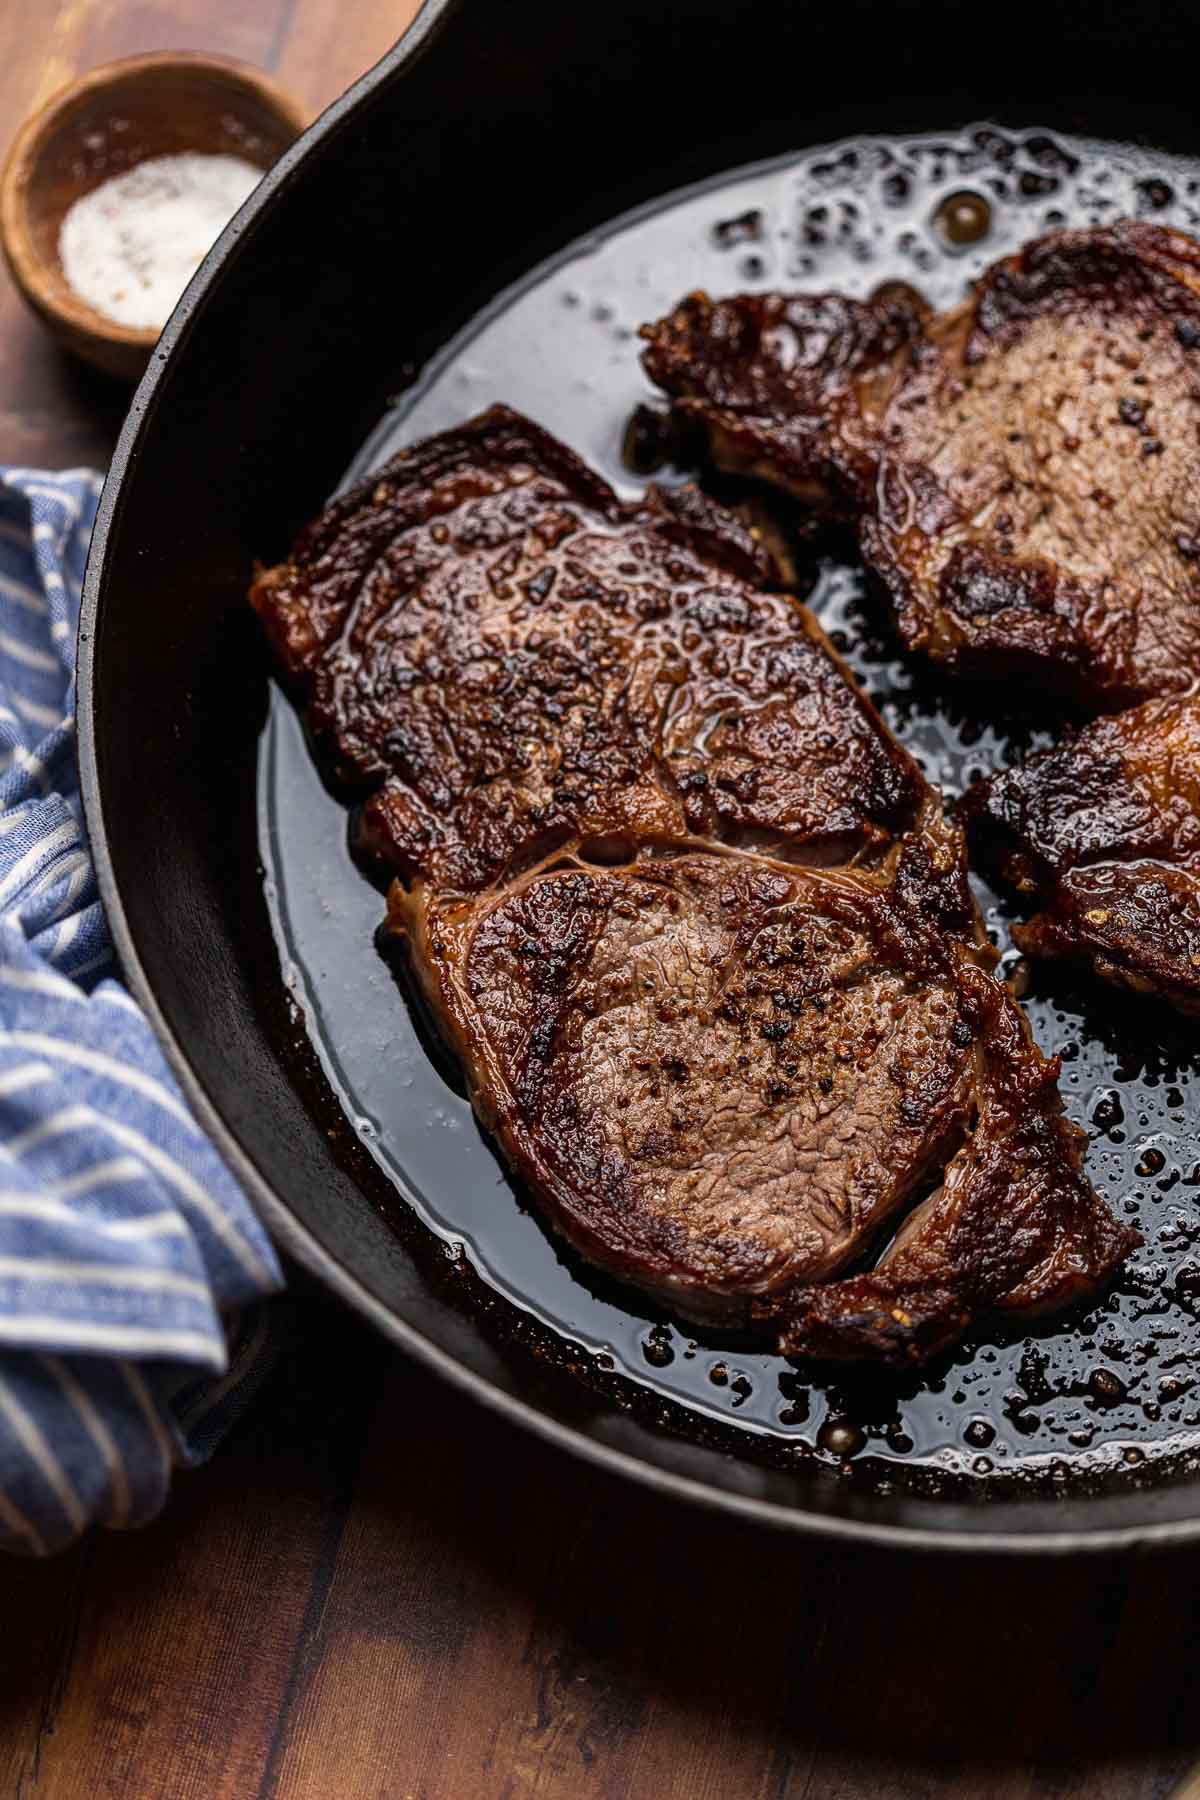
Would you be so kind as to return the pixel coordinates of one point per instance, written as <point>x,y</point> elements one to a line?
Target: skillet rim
<point>295,1238</point>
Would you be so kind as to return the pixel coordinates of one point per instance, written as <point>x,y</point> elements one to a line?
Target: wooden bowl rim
<point>29,269</point>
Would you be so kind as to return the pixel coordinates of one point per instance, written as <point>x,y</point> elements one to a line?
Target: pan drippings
<point>1111,1389</point>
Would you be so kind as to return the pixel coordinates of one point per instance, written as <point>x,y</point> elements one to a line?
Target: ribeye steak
<point>1025,469</point>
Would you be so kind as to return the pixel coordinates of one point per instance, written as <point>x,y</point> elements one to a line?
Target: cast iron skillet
<point>488,138</point>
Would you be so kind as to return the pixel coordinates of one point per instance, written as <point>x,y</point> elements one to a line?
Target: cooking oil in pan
<point>1115,1387</point>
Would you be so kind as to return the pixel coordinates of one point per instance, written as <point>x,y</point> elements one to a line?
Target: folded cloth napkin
<point>126,1247</point>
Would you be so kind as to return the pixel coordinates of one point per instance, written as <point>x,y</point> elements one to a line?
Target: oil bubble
<point>963,218</point>
<point>839,1437</point>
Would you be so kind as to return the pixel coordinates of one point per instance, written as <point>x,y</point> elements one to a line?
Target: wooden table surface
<point>377,1590</point>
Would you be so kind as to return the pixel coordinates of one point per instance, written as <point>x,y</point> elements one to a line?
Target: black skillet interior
<point>491,139</point>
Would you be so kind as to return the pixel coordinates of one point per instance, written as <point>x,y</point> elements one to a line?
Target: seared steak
<point>1026,468</point>
<point>1104,833</point>
<point>513,658</point>
<point>692,921</point>
<point>723,1075</point>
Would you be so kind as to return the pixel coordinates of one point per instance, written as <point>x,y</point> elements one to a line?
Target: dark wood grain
<point>377,1590</point>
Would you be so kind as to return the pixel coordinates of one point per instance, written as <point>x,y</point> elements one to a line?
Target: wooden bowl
<point>102,125</point>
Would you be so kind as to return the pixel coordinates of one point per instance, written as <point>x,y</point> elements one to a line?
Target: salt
<point>130,247</point>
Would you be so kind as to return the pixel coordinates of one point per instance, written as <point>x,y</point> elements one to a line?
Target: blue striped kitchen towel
<point>126,1248</point>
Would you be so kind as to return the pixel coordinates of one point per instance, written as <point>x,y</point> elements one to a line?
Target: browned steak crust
<point>513,658</point>
<point>690,918</point>
<point>788,387</point>
<point>1026,469</point>
<point>1104,833</point>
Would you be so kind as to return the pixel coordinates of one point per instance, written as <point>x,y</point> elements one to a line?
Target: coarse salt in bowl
<point>130,247</point>
<point>114,192</point>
